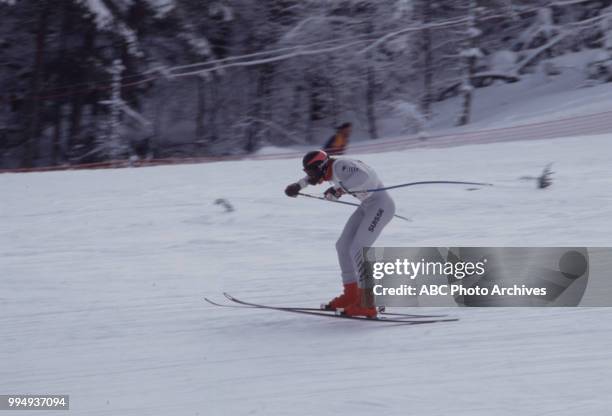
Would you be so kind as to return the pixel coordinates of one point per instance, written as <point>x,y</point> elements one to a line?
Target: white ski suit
<point>366,223</point>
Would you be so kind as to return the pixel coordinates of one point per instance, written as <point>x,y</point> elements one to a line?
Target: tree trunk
<point>201,110</point>
<point>428,61</point>
<point>470,67</point>
<point>261,109</point>
<point>56,150</point>
<point>371,103</point>
<point>155,144</point>
<point>313,108</point>
<point>296,112</point>
<point>255,113</point>
<point>214,109</point>
<point>76,116</point>
<point>33,119</point>
<point>371,91</point>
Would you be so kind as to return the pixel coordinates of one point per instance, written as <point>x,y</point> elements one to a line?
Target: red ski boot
<point>350,296</point>
<point>357,310</point>
<point>362,306</point>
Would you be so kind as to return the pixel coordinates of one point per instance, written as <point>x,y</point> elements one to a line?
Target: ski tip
<point>211,302</point>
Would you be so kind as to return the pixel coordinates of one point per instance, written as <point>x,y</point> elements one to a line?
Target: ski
<point>382,312</point>
<point>321,313</point>
<point>397,315</point>
<point>212,302</point>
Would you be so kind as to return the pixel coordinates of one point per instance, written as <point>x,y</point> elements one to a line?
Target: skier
<point>364,225</point>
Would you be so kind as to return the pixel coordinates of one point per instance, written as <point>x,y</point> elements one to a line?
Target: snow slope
<point>103,274</point>
<point>537,97</point>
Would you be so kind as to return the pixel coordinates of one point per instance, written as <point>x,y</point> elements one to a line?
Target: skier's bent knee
<point>341,246</point>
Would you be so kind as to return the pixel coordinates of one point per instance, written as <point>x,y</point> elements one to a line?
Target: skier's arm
<point>303,182</point>
<point>293,189</point>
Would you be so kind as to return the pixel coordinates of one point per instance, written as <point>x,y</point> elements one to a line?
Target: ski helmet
<point>314,164</point>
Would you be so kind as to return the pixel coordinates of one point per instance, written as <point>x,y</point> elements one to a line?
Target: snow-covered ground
<point>103,274</point>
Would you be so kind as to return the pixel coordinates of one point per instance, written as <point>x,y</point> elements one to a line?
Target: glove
<point>333,194</point>
<point>292,190</point>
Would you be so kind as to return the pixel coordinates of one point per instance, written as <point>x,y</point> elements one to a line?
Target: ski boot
<point>357,310</point>
<point>362,306</point>
<point>350,296</point>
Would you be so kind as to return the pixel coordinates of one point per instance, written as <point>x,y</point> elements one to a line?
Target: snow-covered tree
<point>229,76</point>
<point>470,53</point>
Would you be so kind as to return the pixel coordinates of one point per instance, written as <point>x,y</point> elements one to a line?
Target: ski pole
<point>346,203</point>
<point>416,183</point>
<point>425,183</point>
